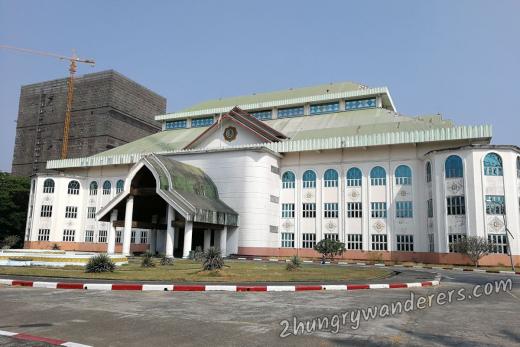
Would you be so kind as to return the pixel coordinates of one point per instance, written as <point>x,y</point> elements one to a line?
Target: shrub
<point>329,248</point>
<point>198,254</point>
<point>166,260</point>
<point>100,263</point>
<point>212,259</point>
<point>147,260</point>
<point>10,241</point>
<point>475,247</point>
<point>294,263</point>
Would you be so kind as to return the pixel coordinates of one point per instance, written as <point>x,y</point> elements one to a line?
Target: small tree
<point>329,248</point>
<point>474,247</point>
<point>294,263</point>
<point>212,259</point>
<point>147,260</point>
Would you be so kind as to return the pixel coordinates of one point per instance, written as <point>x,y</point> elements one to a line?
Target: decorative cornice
<point>277,103</point>
<point>390,138</point>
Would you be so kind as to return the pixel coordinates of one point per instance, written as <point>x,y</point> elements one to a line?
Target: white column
<point>223,241</point>
<point>188,231</point>
<point>153,241</point>
<point>207,239</point>
<point>170,231</point>
<point>128,225</point>
<point>111,249</point>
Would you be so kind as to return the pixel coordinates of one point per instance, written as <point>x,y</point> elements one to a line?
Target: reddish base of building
<point>82,246</point>
<point>381,256</point>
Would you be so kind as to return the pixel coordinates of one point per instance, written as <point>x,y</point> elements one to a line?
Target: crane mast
<point>74,60</point>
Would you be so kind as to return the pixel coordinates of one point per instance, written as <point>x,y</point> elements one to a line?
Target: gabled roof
<point>244,120</point>
<point>186,188</point>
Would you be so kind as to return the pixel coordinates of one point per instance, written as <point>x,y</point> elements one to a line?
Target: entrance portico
<point>177,203</point>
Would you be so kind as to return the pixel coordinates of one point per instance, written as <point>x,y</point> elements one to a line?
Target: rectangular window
<point>93,189</point>
<point>44,234</point>
<point>325,108</point>
<point>453,242</point>
<point>89,235</point>
<point>176,124</point>
<point>405,243</point>
<point>360,103</point>
<point>330,183</point>
<point>378,209</point>
<point>46,211</point>
<point>274,199</point>
<point>403,180</point>
<point>290,112</point>
<point>132,236</point>
<point>353,182</point>
<point>378,181</point>
<point>329,236</point>
<point>48,189</point>
<point>69,235</point>
<point>495,204</point>
<point>287,210</point>
<point>91,212</point>
<point>262,115</point>
<point>119,233</point>
<point>308,240</point>
<point>330,210</point>
<point>355,241</point>
<point>429,207</point>
<point>202,122</point>
<point>309,184</point>
<point>288,184</point>
<point>431,244</point>
<point>379,243</point>
<point>499,243</point>
<point>287,240</point>
<point>456,205</point>
<point>403,209</point>
<point>102,236</point>
<point>354,210</point>
<point>309,210</point>
<point>144,236</point>
<point>71,212</point>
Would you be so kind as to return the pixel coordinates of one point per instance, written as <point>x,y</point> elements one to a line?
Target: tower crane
<point>74,60</point>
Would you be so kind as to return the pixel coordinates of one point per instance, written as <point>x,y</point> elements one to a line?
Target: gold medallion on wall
<point>230,134</point>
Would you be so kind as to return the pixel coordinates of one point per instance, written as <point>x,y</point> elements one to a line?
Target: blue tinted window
<point>493,165</point>
<point>309,179</point>
<point>453,166</point>
<point>201,122</point>
<point>360,103</point>
<point>288,179</point>
<point>325,108</point>
<point>378,176</point>
<point>403,175</point>
<point>290,112</point>
<point>354,177</point>
<point>330,178</point>
<point>262,115</point>
<point>176,124</point>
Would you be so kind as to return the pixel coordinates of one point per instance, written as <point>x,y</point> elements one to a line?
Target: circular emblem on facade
<point>230,134</point>
<point>496,224</point>
<point>403,192</point>
<point>47,199</point>
<point>378,226</point>
<point>330,225</point>
<point>454,187</point>
<point>70,223</point>
<point>287,225</point>
<point>92,201</point>
<point>354,194</point>
<point>308,196</point>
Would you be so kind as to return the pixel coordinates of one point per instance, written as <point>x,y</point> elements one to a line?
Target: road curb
<point>385,265</point>
<point>27,337</point>
<point>215,287</point>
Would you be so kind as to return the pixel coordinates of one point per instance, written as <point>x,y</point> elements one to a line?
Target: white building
<point>271,174</point>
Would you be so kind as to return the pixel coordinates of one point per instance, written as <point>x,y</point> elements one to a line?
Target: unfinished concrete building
<point>109,110</point>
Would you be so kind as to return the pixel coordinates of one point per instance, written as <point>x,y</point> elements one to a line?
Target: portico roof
<point>186,188</point>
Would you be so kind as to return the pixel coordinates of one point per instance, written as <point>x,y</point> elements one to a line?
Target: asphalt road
<point>254,319</point>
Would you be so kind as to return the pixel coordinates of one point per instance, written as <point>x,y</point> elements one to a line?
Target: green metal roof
<point>276,95</point>
<point>347,123</point>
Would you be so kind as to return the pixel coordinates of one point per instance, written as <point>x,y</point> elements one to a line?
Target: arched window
<point>120,185</point>
<point>73,188</point>
<point>107,186</point>
<point>493,165</point>
<point>93,188</point>
<point>48,186</point>
<point>309,179</point>
<point>403,175</point>
<point>330,178</point>
<point>518,167</point>
<point>428,172</point>
<point>288,180</point>
<point>453,167</point>
<point>354,177</point>
<point>378,176</point>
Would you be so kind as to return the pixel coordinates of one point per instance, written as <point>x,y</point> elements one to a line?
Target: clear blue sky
<point>457,58</point>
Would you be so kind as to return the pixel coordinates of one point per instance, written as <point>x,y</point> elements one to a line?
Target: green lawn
<point>187,270</point>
